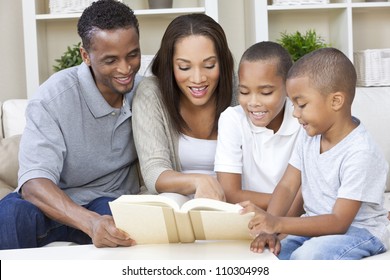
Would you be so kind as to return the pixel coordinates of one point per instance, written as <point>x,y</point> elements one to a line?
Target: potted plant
<point>71,57</point>
<point>298,44</point>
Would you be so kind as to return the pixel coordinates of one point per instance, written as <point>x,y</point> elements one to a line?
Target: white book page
<point>210,204</point>
<point>163,200</point>
<point>178,199</point>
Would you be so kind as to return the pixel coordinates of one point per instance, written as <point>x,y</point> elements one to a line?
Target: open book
<point>173,218</point>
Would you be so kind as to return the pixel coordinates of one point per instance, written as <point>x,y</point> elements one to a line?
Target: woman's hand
<point>208,187</point>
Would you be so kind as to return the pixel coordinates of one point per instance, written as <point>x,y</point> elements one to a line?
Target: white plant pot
<point>160,4</point>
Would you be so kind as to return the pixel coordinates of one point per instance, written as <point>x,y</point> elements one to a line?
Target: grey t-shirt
<point>353,169</point>
<point>77,140</point>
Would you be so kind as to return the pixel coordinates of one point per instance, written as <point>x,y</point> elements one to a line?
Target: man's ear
<point>338,100</point>
<point>85,56</point>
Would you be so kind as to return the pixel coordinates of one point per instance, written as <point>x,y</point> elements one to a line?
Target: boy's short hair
<point>329,70</point>
<point>268,50</point>
<point>105,15</point>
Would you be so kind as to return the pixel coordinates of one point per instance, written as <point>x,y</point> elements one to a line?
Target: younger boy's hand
<point>266,240</point>
<point>262,222</point>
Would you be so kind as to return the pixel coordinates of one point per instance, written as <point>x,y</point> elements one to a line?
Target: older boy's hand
<point>266,240</point>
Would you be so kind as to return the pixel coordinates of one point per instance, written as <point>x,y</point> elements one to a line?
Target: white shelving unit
<point>46,35</point>
<point>349,25</point>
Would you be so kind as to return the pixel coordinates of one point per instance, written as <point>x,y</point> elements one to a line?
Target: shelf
<point>363,5</point>
<point>143,12</point>
<point>344,24</point>
<point>306,7</point>
<point>47,35</point>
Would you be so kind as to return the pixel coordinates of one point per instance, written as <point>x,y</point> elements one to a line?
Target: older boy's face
<point>262,93</point>
<point>311,108</point>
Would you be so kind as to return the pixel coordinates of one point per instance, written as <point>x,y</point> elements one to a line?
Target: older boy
<point>341,170</point>
<point>256,138</point>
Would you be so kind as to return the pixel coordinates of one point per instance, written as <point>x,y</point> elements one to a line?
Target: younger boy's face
<point>311,108</point>
<point>262,93</point>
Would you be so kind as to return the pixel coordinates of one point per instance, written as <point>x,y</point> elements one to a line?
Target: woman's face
<point>196,69</point>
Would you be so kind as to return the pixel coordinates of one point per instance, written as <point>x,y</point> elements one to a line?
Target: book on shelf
<point>174,218</point>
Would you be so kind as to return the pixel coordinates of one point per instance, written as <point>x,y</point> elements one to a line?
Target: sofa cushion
<point>9,165</point>
<point>371,106</point>
<point>1,118</point>
<point>5,189</point>
<point>13,117</point>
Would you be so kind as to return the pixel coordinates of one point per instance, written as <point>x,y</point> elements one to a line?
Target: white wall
<point>232,19</point>
<point>12,70</point>
<point>12,73</point>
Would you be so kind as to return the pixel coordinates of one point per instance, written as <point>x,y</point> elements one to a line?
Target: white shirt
<point>197,155</point>
<point>259,155</point>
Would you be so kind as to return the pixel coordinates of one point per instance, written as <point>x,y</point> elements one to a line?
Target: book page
<point>145,224</point>
<point>179,199</point>
<point>210,204</point>
<point>163,200</point>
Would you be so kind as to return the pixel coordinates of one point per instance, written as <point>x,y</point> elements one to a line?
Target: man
<point>77,151</point>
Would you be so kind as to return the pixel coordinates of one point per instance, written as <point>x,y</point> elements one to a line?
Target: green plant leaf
<point>298,44</point>
<point>71,57</point>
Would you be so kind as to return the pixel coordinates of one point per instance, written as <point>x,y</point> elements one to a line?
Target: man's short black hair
<point>105,15</point>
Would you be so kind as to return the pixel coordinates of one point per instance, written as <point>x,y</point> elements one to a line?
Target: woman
<point>176,111</point>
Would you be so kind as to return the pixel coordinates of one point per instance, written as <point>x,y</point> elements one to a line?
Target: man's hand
<point>105,234</point>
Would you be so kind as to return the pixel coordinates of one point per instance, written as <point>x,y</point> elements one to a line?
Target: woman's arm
<point>201,185</point>
<point>152,138</point>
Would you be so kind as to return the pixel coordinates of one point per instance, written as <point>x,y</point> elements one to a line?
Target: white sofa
<point>371,106</point>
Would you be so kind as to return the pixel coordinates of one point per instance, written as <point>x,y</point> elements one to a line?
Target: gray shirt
<point>353,169</point>
<point>74,138</point>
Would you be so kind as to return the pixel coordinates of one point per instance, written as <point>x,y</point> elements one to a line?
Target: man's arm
<point>55,204</point>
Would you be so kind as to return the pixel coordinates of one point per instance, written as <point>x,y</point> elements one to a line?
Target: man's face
<point>114,59</point>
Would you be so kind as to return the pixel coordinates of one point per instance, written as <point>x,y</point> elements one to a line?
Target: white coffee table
<point>200,250</point>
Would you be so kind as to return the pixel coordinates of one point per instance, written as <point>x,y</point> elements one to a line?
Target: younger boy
<point>256,138</point>
<point>340,169</point>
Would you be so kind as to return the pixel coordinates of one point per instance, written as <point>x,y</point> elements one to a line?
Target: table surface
<point>199,250</point>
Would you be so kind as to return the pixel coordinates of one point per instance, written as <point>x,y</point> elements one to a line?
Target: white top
<point>257,153</point>
<point>353,169</point>
<point>197,155</point>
